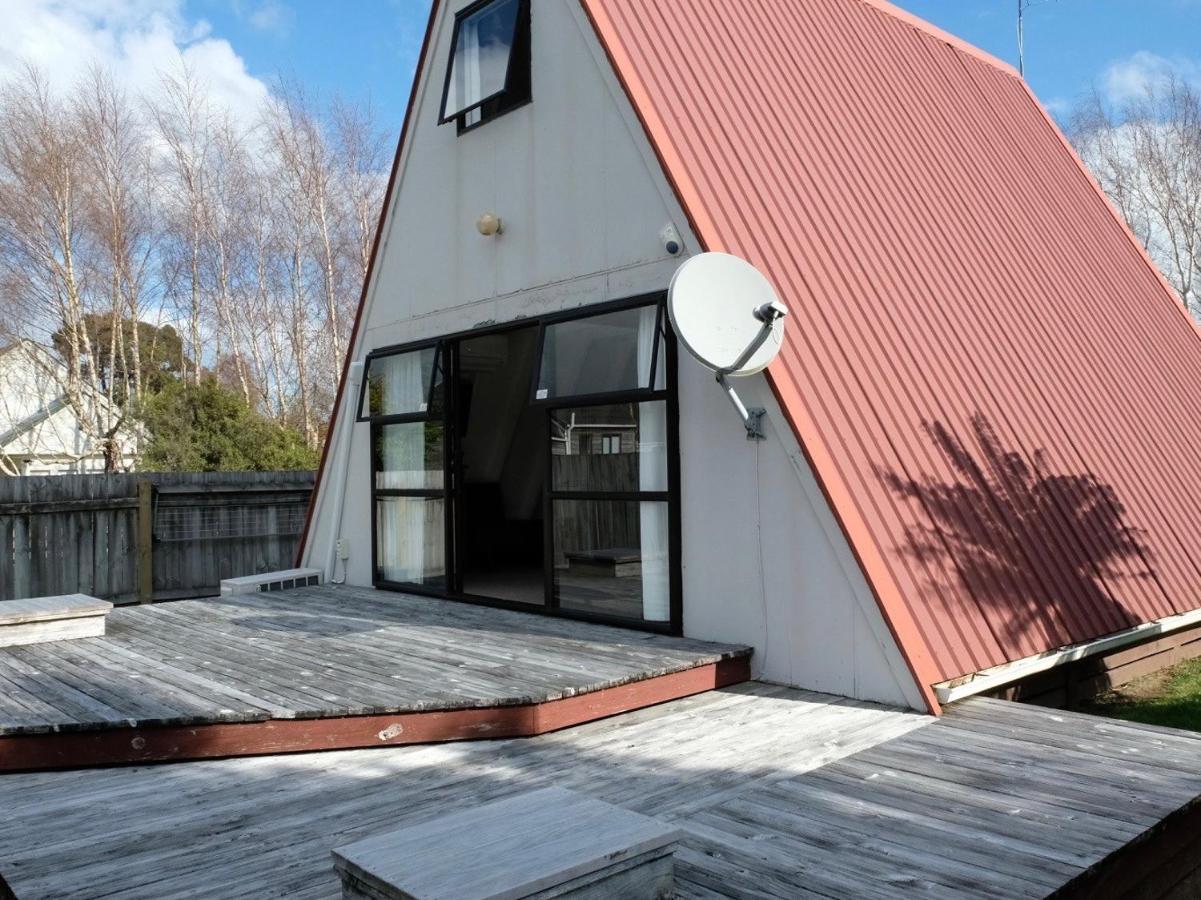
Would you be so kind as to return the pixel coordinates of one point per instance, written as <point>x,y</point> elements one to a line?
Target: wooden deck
<point>326,668</point>
<point>780,793</point>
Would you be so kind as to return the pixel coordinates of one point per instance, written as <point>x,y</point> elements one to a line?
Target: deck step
<point>36,620</point>
<point>540,844</point>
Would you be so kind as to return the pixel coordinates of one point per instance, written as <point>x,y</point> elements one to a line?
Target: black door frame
<point>452,491</point>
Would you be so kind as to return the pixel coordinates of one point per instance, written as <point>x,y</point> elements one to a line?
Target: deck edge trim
<point>220,740</point>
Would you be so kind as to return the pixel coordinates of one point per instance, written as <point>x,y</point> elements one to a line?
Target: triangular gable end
<point>583,197</point>
<point>565,245</point>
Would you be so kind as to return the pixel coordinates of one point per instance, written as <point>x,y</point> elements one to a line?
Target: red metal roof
<point>994,386</point>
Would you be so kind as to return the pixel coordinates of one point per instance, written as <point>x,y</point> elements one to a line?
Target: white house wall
<point>765,562</point>
<point>31,382</point>
<point>583,200</point>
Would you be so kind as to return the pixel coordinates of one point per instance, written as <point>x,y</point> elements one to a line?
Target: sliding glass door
<point>603,379</point>
<point>533,467</point>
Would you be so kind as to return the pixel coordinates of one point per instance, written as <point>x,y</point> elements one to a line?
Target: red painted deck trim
<point>222,740</point>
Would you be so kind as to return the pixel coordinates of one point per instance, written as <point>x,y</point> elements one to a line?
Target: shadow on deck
<point>329,668</point>
<point>779,793</point>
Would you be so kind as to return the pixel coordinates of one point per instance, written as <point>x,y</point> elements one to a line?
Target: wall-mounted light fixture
<point>488,224</point>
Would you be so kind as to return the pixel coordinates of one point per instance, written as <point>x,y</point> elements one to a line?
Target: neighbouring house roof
<point>24,426</point>
<point>990,379</point>
<point>992,382</point>
<point>31,394</point>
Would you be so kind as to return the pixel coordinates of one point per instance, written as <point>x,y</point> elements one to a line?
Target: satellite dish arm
<point>752,419</point>
<point>767,314</point>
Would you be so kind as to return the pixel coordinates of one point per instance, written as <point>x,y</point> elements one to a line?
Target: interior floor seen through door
<point>501,458</point>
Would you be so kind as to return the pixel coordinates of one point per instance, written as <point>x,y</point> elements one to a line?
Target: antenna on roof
<point>1021,39</point>
<point>1024,5</point>
<point>727,315</point>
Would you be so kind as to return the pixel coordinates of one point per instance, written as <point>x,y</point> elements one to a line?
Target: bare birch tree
<point>1146,154</point>
<point>50,260</point>
<point>305,172</point>
<point>251,238</point>
<point>182,118</point>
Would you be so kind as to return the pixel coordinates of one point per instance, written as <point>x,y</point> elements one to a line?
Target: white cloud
<point>136,39</point>
<point>1058,106</point>
<point>269,15</point>
<point>1131,78</point>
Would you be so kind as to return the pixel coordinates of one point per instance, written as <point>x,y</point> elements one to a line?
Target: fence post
<point>145,540</point>
<point>22,558</point>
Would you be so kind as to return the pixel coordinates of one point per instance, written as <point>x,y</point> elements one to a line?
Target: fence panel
<point>80,533</point>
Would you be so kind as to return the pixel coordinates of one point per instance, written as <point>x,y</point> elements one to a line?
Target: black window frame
<point>437,369</point>
<point>519,81</point>
<point>599,398</point>
<point>379,422</point>
<point>666,354</point>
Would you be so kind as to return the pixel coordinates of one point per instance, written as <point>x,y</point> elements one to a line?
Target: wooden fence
<point>146,536</point>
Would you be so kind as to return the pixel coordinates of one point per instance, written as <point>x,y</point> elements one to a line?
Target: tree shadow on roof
<point>1044,549</point>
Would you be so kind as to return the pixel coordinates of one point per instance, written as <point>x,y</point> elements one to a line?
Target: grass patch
<point>1171,698</point>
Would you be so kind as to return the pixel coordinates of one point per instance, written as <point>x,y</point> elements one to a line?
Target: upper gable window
<point>489,69</point>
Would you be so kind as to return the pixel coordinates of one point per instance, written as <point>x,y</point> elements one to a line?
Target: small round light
<point>488,224</point>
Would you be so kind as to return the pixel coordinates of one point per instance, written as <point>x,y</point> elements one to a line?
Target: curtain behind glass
<point>404,381</point>
<point>479,67</point>
<point>411,547</point>
<point>400,384</point>
<point>652,427</point>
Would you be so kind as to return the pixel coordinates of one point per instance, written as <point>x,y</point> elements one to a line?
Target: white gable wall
<point>765,561</point>
<point>583,200</point>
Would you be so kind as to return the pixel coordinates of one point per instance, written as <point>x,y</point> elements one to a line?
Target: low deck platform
<point>778,793</point>
<point>320,668</point>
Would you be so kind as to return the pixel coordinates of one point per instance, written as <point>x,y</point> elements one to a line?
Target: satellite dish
<point>726,314</point>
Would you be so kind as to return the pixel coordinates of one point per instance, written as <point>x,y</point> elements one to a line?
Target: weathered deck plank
<point>779,793</point>
<point>320,652</point>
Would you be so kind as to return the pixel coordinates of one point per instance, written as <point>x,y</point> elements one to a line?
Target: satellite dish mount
<point>752,417</point>
<point>726,313</point>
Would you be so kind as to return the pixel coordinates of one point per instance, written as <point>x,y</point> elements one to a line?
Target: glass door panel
<point>403,400</point>
<point>613,448</point>
<point>611,558</point>
<point>411,540</point>
<point>609,488</point>
<point>410,456</point>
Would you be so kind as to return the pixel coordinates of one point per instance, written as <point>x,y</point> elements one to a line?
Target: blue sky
<point>366,49</point>
<point>1072,45</point>
<point>363,49</point>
